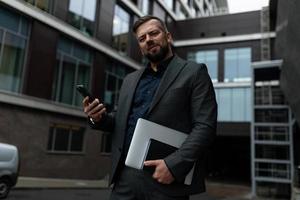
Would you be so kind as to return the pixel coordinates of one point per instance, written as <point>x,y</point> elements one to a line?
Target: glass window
<point>9,20</point>
<point>234,104</point>
<point>169,4</point>
<point>41,4</point>
<point>210,58</point>
<point>65,138</point>
<point>89,9</point>
<point>180,11</point>
<point>248,105</point>
<point>82,15</point>
<point>230,65</point>
<point>13,42</point>
<point>224,104</point>
<point>24,27</point>
<point>121,30</point>
<point>238,101</point>
<point>67,80</point>
<point>76,6</point>
<point>237,64</point>
<point>73,67</point>
<point>145,6</point>
<point>76,139</point>
<point>113,82</point>
<point>83,77</point>
<point>12,62</point>
<point>61,139</point>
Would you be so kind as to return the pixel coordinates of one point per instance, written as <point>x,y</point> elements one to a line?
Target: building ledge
<point>226,39</point>
<point>39,104</point>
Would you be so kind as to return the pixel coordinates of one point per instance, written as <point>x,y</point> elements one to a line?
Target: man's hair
<point>146,18</point>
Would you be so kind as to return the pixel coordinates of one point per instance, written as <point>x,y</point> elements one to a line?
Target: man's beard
<point>158,56</point>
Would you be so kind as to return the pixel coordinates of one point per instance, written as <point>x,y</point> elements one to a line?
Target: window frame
<point>70,128</point>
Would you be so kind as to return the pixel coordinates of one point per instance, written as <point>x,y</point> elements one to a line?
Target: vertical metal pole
<point>252,137</point>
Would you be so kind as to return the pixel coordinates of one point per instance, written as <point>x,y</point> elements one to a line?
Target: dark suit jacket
<point>185,101</point>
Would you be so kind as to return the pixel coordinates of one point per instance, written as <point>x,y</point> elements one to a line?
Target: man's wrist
<point>92,121</point>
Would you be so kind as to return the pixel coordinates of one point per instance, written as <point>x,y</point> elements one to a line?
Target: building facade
<point>48,47</point>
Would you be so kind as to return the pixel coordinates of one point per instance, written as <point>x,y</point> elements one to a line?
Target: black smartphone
<point>84,92</point>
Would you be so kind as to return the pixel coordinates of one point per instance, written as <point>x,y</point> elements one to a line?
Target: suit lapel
<point>175,66</point>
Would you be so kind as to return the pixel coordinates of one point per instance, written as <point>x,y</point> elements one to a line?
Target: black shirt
<point>143,97</point>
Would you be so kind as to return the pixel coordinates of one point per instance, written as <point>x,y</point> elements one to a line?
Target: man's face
<point>154,42</point>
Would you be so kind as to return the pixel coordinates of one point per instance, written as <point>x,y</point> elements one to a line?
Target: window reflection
<point>145,6</point>
<point>41,4</point>
<point>121,30</point>
<point>73,67</point>
<point>13,41</point>
<point>234,104</point>
<point>113,81</point>
<point>210,58</point>
<point>169,4</point>
<point>82,15</point>
<point>237,64</point>
<point>180,11</point>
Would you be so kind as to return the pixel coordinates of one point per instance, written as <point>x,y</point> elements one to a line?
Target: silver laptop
<point>143,133</point>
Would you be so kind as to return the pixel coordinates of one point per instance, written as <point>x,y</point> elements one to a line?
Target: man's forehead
<point>148,26</point>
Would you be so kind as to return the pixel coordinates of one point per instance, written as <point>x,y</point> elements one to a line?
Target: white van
<point>9,168</point>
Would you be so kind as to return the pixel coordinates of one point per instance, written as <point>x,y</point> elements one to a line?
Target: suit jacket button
<point>120,149</point>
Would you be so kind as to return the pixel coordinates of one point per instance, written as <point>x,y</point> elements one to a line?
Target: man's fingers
<point>161,173</point>
<point>96,109</point>
<point>85,102</point>
<point>89,106</point>
<point>95,103</point>
<point>151,163</point>
<point>98,115</point>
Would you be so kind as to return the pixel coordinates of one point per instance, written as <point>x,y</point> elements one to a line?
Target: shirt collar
<point>161,67</point>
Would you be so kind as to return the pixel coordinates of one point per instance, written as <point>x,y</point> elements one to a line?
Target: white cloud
<point>246,5</point>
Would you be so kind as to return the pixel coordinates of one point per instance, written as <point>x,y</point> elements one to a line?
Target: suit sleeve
<point>108,121</point>
<point>203,111</point>
<point>106,124</point>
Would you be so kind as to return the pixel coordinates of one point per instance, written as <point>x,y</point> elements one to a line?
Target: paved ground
<point>228,191</point>
<point>45,188</point>
<point>82,194</point>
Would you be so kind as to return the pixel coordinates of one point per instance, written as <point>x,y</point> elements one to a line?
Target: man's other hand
<point>162,174</point>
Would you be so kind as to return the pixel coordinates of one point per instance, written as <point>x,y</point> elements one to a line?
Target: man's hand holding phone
<point>95,110</point>
<point>92,107</point>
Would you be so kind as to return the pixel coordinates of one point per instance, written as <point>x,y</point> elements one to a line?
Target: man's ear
<point>169,37</point>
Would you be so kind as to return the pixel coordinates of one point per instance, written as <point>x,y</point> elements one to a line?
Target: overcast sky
<point>246,5</point>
